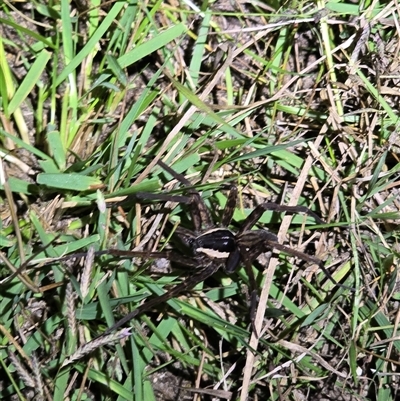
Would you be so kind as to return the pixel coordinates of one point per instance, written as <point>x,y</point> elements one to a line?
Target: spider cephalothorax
<point>214,247</point>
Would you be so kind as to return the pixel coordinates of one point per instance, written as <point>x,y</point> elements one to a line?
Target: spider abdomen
<point>217,243</point>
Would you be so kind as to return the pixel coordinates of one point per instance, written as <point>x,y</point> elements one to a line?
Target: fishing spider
<point>212,247</point>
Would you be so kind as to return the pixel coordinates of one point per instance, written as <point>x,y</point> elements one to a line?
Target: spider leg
<point>170,255</point>
<point>251,246</point>
<point>230,206</point>
<point>308,258</point>
<point>200,214</point>
<point>173,292</point>
<point>253,289</point>
<point>143,197</point>
<point>257,241</point>
<point>255,215</point>
<point>180,177</point>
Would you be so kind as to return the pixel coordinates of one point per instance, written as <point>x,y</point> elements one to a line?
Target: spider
<point>212,247</point>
